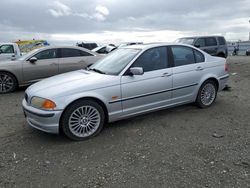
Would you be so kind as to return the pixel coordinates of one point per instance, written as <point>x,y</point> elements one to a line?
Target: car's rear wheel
<point>8,82</point>
<point>207,94</point>
<point>83,119</point>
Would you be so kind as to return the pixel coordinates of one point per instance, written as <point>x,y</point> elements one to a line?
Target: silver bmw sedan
<point>130,81</point>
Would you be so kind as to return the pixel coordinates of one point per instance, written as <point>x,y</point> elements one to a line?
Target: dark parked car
<point>89,46</point>
<point>213,45</point>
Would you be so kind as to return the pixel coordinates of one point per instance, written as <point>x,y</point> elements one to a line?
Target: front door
<point>45,66</point>
<point>141,93</point>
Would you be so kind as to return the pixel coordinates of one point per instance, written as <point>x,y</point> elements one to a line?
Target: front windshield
<point>115,62</point>
<point>23,57</point>
<point>186,40</point>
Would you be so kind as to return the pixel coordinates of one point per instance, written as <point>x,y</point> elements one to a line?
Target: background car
<point>43,63</point>
<point>128,82</point>
<point>89,46</point>
<point>104,49</point>
<point>248,52</point>
<point>124,44</point>
<point>213,45</point>
<point>9,51</point>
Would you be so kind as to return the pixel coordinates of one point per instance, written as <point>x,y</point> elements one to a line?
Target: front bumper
<point>47,121</point>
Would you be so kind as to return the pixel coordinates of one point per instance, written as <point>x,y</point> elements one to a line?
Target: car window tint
<point>68,52</point>
<point>222,41</point>
<point>83,53</point>
<point>47,54</point>
<point>182,55</point>
<point>200,42</point>
<point>7,49</point>
<point>153,59</point>
<point>199,57</point>
<point>211,41</point>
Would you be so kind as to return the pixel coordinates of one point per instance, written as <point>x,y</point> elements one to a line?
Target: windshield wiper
<point>97,70</point>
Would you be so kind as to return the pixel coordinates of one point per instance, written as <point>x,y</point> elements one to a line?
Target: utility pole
<point>249,33</point>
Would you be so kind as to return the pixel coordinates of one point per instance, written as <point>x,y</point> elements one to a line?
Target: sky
<point>116,21</point>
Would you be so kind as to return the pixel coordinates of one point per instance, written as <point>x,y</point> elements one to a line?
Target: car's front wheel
<point>207,94</point>
<point>82,119</point>
<point>8,82</point>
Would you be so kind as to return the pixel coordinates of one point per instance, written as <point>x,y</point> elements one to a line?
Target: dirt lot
<point>180,147</point>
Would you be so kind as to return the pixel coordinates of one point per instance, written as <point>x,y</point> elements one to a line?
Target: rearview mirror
<point>197,45</point>
<point>136,70</point>
<point>33,59</point>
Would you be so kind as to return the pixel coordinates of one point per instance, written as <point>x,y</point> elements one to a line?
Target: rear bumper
<point>47,121</point>
<point>223,82</point>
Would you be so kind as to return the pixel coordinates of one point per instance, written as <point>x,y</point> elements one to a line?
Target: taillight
<point>226,67</point>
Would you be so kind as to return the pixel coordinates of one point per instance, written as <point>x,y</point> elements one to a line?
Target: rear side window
<point>46,54</point>
<point>200,42</point>
<point>211,41</point>
<point>153,59</point>
<point>221,40</point>
<point>182,55</point>
<point>199,57</point>
<point>6,49</point>
<point>68,52</point>
<point>83,53</point>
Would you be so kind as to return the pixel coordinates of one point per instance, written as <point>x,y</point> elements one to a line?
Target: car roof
<point>157,44</point>
<point>72,47</point>
<point>201,36</point>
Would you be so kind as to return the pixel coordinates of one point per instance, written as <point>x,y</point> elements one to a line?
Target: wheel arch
<point>221,54</point>
<point>9,72</point>
<point>95,99</point>
<point>214,80</point>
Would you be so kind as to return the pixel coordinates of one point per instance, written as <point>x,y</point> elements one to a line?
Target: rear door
<point>45,66</point>
<point>187,72</point>
<point>153,88</point>
<point>208,44</point>
<point>74,59</point>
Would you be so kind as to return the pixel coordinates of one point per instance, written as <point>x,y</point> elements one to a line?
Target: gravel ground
<point>179,147</point>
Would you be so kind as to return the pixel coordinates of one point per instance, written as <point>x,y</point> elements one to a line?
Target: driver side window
<point>153,59</point>
<point>46,54</point>
<point>200,42</point>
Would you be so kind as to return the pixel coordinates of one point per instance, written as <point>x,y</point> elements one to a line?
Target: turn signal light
<point>48,104</point>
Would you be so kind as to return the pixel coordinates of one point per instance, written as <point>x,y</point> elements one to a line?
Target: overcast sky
<point>106,21</point>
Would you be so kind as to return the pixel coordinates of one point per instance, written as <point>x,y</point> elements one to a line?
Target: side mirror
<point>136,71</point>
<point>33,59</point>
<point>197,45</point>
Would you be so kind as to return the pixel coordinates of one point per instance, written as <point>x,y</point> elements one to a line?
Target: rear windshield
<point>186,40</point>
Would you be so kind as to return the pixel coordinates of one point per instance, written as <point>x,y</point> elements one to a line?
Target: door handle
<point>199,69</point>
<point>166,74</point>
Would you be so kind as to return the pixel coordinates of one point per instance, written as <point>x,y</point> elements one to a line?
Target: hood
<point>71,83</point>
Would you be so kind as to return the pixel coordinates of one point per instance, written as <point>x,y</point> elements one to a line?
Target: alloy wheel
<point>84,121</point>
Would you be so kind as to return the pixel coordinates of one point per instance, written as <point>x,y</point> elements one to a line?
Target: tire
<point>207,94</point>
<point>8,83</point>
<point>82,120</point>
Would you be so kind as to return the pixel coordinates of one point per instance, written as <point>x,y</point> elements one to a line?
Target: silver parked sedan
<point>43,63</point>
<point>128,82</point>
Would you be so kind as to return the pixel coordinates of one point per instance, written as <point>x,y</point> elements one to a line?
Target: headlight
<point>42,103</point>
